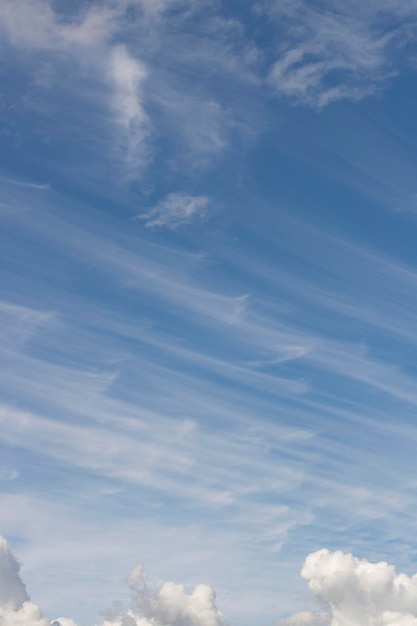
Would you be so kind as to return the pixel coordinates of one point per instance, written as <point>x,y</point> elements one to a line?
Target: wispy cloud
<point>126,75</point>
<point>22,183</point>
<point>332,51</point>
<point>86,37</point>
<point>174,210</point>
<point>146,82</point>
<point>213,391</point>
<point>36,26</point>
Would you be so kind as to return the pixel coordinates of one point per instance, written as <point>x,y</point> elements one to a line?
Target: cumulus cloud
<point>354,591</point>
<point>15,606</point>
<point>175,209</point>
<point>12,591</point>
<point>357,592</point>
<point>170,603</point>
<point>164,604</point>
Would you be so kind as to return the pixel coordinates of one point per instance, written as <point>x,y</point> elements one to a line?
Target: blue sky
<point>208,295</point>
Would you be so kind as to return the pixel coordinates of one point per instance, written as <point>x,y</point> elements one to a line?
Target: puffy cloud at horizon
<point>16,609</point>
<point>356,592</point>
<point>12,590</point>
<point>165,603</point>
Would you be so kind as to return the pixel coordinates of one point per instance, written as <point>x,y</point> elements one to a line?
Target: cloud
<point>168,603</point>
<point>306,618</point>
<point>174,210</point>
<point>172,71</point>
<point>334,50</point>
<point>126,76</point>
<point>357,592</point>
<point>164,604</point>
<point>12,591</point>
<point>15,606</point>
<point>137,577</point>
<point>34,25</point>
<point>22,183</point>
<point>88,38</point>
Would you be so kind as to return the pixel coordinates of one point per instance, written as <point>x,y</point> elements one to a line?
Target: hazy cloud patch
<point>174,210</point>
<point>86,37</point>
<point>127,75</point>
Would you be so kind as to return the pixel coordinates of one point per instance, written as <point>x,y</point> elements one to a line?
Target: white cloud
<point>12,591</point>
<point>306,618</point>
<point>15,606</point>
<point>137,577</point>
<point>165,604</point>
<point>357,592</point>
<point>126,75</point>
<point>337,50</point>
<point>87,37</point>
<point>197,60</point>
<point>34,25</point>
<point>28,615</point>
<point>175,209</point>
<point>168,603</point>
<point>22,183</point>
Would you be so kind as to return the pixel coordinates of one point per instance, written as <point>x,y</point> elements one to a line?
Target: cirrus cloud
<point>174,210</point>
<point>334,50</point>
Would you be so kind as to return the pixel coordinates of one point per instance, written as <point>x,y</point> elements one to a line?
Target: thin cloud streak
<point>21,183</point>
<point>253,328</point>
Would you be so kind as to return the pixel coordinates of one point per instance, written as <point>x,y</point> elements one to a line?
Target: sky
<point>208,322</point>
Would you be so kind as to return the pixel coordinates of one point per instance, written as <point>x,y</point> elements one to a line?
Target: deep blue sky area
<point>208,322</point>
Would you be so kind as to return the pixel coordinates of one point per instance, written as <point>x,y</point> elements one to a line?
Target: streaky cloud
<point>22,183</point>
